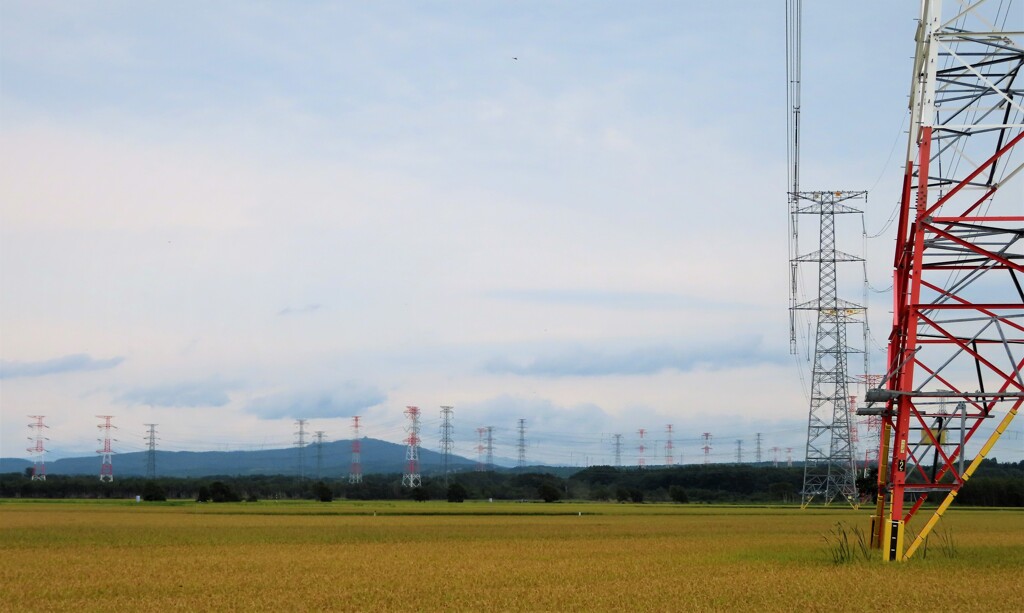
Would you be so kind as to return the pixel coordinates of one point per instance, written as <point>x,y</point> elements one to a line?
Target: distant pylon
<point>669,454</point>
<point>300,442</point>
<point>446,439</point>
<point>38,449</point>
<point>481,449</point>
<point>319,453</point>
<point>151,451</point>
<point>757,449</point>
<point>640,460</point>
<point>521,461</point>
<point>490,447</point>
<point>739,451</point>
<point>775,456</point>
<point>707,446</point>
<point>789,457</point>
<point>411,478</point>
<point>355,471</point>
<point>618,450</point>
<point>107,467</point>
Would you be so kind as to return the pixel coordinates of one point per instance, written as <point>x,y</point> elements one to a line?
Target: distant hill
<point>377,457</point>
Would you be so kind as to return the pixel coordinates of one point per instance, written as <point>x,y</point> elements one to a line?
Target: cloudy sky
<point>223,216</point>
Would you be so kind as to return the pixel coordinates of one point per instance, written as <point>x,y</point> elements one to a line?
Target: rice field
<point>347,556</point>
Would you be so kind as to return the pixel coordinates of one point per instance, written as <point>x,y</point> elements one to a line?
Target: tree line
<point>1001,484</point>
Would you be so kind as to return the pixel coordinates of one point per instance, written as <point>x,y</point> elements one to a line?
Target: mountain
<point>377,457</point>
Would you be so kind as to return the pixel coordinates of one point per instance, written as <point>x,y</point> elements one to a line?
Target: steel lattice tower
<point>707,446</point>
<point>489,441</point>
<point>757,448</point>
<point>739,451</point>
<point>640,460</point>
<point>480,448</point>
<point>38,449</point>
<point>151,451</point>
<point>618,450</point>
<point>830,460</point>
<point>355,471</point>
<point>446,439</point>
<point>107,465</point>
<point>319,434</point>
<point>669,454</point>
<point>411,477</point>
<point>958,313</point>
<point>300,443</point>
<point>521,460</point>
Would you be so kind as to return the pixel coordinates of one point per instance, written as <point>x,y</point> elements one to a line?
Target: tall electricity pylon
<point>830,458</point>
<point>107,452</point>
<point>355,471</point>
<point>300,443</point>
<point>38,449</point>
<point>957,343</point>
<point>830,461</point>
<point>521,460</point>
<point>151,451</point>
<point>411,477</point>
<point>446,439</point>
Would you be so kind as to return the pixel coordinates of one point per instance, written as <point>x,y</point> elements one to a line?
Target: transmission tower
<point>481,466</point>
<point>38,449</point>
<point>521,461</point>
<point>300,443</point>
<point>757,448</point>
<point>789,457</point>
<point>707,446</point>
<point>739,451</point>
<point>355,471</point>
<point>957,332</point>
<point>411,478</point>
<point>830,463</point>
<point>151,451</point>
<point>669,454</point>
<point>775,456</point>
<point>107,452</point>
<point>640,460</point>
<point>490,447</point>
<point>446,439</point>
<point>319,434</point>
<point>618,450</point>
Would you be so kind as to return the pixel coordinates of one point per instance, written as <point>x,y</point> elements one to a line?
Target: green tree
<point>549,493</point>
<point>678,494</point>
<point>457,493</point>
<point>152,492</point>
<point>322,492</point>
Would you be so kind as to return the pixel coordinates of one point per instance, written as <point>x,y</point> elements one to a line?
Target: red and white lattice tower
<point>641,461</point>
<point>355,471</point>
<point>481,449</point>
<point>872,427</point>
<point>789,457</point>
<point>775,456</point>
<point>107,467</point>
<point>958,315</point>
<point>411,478</point>
<point>669,454</point>
<point>707,446</point>
<point>38,449</point>
<point>854,427</point>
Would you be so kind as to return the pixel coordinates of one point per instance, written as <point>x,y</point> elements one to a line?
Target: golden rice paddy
<point>346,556</point>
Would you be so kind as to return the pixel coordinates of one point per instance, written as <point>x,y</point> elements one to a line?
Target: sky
<point>220,217</point>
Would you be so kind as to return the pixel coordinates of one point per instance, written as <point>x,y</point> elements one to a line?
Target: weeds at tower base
<point>847,544</point>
